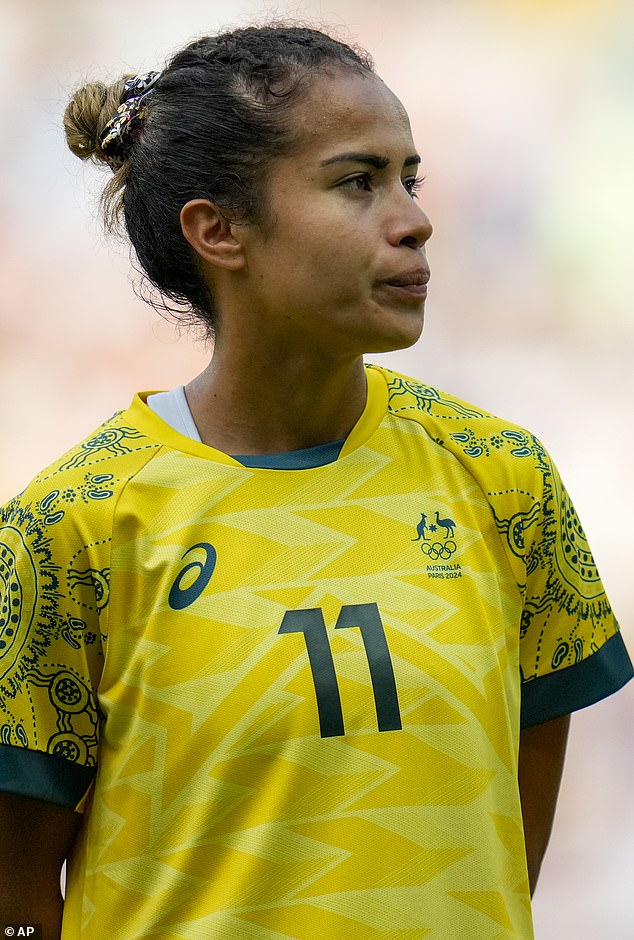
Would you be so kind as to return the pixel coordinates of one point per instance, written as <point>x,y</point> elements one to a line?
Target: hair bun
<point>87,114</point>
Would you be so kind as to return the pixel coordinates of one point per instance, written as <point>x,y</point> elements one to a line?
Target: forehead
<point>347,110</point>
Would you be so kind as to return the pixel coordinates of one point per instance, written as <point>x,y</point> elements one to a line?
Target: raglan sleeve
<point>53,591</point>
<point>572,652</point>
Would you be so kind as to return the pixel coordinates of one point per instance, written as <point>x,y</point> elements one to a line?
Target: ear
<point>211,234</point>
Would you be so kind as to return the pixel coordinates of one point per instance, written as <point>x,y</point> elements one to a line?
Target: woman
<point>268,640</point>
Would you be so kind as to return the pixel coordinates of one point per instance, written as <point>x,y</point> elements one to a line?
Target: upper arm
<point>35,839</point>
<point>541,760</point>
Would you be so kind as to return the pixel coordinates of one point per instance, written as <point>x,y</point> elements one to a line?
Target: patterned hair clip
<point>123,129</point>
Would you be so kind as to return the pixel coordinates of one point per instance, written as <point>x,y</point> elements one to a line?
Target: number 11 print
<point>368,619</point>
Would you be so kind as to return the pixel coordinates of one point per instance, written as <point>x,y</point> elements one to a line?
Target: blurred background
<point>523,112</point>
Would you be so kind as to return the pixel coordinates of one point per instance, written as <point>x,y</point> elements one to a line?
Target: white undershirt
<point>172,407</point>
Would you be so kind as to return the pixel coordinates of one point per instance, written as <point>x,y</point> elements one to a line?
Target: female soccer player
<point>268,641</point>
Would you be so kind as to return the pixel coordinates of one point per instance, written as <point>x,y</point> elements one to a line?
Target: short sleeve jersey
<point>288,701</point>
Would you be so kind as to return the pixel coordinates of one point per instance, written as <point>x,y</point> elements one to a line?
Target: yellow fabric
<point>154,577</point>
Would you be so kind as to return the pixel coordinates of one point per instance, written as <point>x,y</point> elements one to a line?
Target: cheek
<point>325,256</point>
<point>341,275</point>
<point>339,255</point>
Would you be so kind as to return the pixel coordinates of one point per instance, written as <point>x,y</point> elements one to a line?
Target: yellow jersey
<point>288,701</point>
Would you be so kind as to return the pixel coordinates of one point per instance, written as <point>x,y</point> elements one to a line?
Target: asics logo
<point>192,580</point>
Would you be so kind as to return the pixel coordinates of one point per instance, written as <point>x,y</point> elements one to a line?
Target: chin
<point>401,339</point>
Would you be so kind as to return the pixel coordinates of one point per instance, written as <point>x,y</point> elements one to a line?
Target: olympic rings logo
<point>436,550</point>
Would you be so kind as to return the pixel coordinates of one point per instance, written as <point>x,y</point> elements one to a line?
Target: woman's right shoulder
<point>92,470</point>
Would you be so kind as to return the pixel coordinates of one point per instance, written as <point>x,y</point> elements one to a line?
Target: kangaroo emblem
<point>420,528</point>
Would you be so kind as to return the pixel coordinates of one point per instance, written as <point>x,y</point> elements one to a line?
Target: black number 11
<point>368,619</point>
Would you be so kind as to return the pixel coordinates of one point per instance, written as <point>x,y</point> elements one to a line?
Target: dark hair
<point>217,114</point>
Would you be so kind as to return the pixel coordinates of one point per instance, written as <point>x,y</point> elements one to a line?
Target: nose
<point>411,226</point>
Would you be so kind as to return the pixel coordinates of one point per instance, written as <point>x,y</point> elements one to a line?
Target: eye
<point>360,182</point>
<point>413,185</point>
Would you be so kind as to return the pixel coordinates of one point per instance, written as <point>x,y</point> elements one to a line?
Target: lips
<point>416,278</point>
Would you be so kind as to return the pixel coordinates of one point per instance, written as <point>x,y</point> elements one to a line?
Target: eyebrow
<point>371,159</point>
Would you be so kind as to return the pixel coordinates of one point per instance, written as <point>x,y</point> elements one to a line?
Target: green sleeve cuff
<point>575,687</point>
<point>43,776</point>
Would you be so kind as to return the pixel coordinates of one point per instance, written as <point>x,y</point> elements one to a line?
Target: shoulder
<point>65,513</point>
<point>118,444</point>
<point>414,399</point>
<point>508,464</point>
<point>487,445</point>
<point>91,471</point>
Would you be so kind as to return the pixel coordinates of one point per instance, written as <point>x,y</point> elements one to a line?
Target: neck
<point>249,405</point>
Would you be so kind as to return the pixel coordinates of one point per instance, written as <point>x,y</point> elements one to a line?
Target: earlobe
<point>211,234</point>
